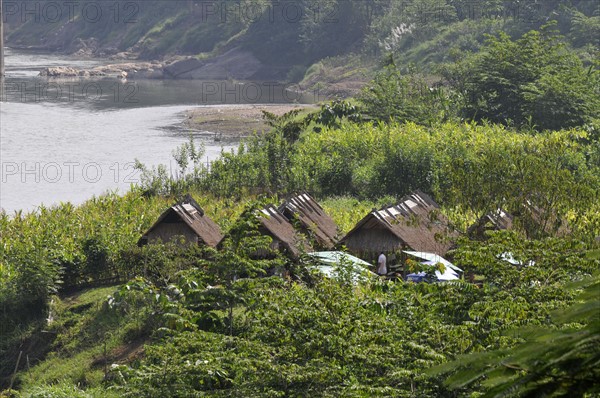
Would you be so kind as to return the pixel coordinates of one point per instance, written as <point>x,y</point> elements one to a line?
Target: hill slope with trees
<point>292,36</point>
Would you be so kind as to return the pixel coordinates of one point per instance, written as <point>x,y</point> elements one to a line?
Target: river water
<point>69,139</point>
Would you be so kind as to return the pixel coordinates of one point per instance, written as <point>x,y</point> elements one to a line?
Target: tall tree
<point>535,81</point>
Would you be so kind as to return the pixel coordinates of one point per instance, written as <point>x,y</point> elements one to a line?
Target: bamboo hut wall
<point>370,242</point>
<point>165,232</point>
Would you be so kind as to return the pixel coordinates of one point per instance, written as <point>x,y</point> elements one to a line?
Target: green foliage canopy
<point>533,81</point>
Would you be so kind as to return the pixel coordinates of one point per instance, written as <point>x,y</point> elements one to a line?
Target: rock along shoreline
<point>235,64</point>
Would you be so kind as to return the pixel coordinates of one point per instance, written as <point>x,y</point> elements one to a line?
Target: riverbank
<point>236,120</point>
<point>235,64</point>
<point>337,77</point>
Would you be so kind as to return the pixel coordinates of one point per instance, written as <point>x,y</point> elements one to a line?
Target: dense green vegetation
<point>534,83</point>
<point>551,361</point>
<point>192,321</point>
<point>534,80</point>
<point>471,168</point>
<point>205,332</point>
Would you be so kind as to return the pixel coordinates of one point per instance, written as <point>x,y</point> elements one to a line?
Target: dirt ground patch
<point>123,354</point>
<point>235,120</point>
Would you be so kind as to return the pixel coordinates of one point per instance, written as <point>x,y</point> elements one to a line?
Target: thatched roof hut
<point>415,224</point>
<point>285,238</point>
<point>539,222</point>
<point>528,217</point>
<point>497,220</point>
<point>314,221</point>
<point>186,218</point>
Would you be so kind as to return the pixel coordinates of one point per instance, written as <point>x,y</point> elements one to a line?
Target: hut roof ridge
<point>312,217</point>
<point>205,228</point>
<point>409,220</point>
<point>278,225</point>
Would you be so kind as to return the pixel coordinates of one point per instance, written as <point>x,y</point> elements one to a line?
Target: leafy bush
<point>375,338</point>
<point>405,98</point>
<point>534,81</point>
<point>552,361</point>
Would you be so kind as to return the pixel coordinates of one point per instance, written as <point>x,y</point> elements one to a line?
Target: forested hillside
<point>292,36</point>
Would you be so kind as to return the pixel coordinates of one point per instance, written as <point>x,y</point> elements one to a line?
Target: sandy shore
<point>235,120</point>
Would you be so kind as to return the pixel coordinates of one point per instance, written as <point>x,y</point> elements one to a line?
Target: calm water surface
<point>68,139</point>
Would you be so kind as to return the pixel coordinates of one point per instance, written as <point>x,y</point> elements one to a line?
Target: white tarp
<point>508,257</point>
<point>435,258</point>
<point>450,270</point>
<point>329,260</point>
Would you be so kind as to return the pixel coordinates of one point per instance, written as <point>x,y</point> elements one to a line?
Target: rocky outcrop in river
<point>65,71</point>
<point>235,64</point>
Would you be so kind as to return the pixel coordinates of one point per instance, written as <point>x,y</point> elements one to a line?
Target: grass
<point>89,337</point>
<point>66,390</point>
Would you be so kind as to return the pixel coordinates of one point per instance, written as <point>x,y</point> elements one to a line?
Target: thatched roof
<point>312,217</point>
<point>415,222</point>
<point>497,220</point>
<point>190,212</point>
<point>528,216</point>
<point>278,227</point>
<point>545,222</point>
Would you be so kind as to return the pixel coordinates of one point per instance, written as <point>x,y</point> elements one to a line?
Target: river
<point>69,139</point>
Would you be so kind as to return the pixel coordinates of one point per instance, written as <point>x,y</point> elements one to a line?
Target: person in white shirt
<point>381,264</point>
